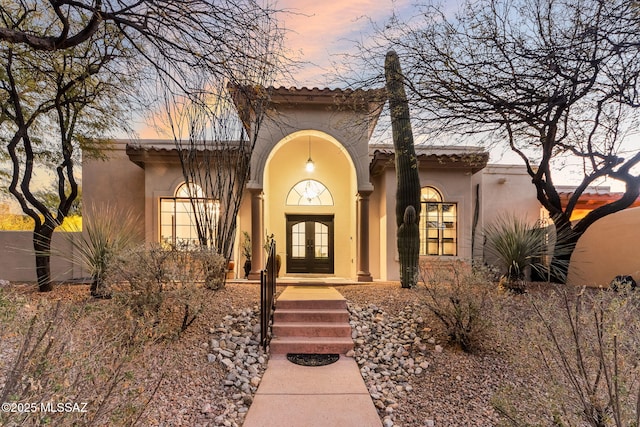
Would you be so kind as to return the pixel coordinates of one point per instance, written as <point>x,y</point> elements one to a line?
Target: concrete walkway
<point>321,396</point>
<point>290,395</point>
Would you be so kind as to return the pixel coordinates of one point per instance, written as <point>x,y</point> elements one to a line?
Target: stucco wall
<point>17,260</point>
<point>607,249</point>
<point>504,190</point>
<point>115,181</point>
<point>161,180</point>
<point>455,185</point>
<point>377,227</point>
<point>508,189</point>
<point>345,126</point>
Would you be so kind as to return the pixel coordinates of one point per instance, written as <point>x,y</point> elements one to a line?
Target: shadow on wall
<point>609,248</point>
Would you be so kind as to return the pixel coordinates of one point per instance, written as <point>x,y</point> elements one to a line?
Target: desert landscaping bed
<point>207,375</point>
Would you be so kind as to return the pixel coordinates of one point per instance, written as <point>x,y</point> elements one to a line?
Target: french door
<point>310,244</point>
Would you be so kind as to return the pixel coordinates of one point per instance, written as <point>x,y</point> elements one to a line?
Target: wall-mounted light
<point>310,166</point>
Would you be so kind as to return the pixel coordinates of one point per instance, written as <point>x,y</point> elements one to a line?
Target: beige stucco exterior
<point>607,249</point>
<point>333,128</point>
<point>17,257</point>
<point>115,180</point>
<point>360,177</point>
<point>507,189</point>
<point>451,171</point>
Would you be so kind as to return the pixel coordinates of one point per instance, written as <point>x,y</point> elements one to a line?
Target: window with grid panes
<point>177,216</point>
<point>438,224</point>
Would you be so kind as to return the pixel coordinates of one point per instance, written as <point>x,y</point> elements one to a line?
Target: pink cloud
<point>318,30</point>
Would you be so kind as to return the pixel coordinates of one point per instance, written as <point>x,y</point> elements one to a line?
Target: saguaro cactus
<point>408,191</point>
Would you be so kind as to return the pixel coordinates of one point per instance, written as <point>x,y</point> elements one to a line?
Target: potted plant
<point>267,245</point>
<point>246,251</point>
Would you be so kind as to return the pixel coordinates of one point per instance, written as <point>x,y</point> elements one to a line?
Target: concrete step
<point>310,315</point>
<point>311,329</point>
<point>311,345</point>
<point>292,304</point>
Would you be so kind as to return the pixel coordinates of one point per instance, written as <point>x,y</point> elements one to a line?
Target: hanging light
<point>310,166</point>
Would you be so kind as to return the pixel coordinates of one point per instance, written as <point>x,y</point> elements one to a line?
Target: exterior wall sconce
<point>310,167</point>
<point>502,180</point>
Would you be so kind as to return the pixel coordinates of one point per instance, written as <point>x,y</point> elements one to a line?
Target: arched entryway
<point>332,127</point>
<point>311,211</point>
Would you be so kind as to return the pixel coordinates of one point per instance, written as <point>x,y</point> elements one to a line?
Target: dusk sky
<point>318,32</point>
<point>322,30</point>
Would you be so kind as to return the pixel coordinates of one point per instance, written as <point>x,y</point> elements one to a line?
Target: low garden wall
<point>17,259</point>
<point>608,248</point>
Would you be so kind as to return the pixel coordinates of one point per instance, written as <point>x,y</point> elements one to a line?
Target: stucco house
<point>337,219</point>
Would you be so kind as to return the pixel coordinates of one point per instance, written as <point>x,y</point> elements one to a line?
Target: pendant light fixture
<point>310,166</point>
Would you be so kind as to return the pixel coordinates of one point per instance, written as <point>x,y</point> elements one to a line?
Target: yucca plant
<point>515,245</point>
<point>108,231</point>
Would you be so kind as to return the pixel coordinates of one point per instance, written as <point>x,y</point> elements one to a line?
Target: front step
<point>309,315</point>
<point>320,304</point>
<point>315,345</point>
<point>311,320</point>
<point>311,329</point>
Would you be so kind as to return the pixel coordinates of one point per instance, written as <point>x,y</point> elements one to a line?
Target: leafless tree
<point>56,53</point>
<point>52,104</point>
<point>553,80</point>
<point>216,128</point>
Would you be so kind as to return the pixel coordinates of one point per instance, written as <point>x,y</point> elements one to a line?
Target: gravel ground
<point>212,371</point>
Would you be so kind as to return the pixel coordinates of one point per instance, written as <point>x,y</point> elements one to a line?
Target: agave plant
<point>108,231</point>
<point>515,246</point>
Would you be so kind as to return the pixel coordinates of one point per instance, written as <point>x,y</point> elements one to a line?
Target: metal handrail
<point>267,295</point>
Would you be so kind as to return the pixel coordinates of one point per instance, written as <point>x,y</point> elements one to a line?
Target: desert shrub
<point>191,264</point>
<point>79,355</point>
<point>515,246</point>
<point>458,294</point>
<point>143,273</point>
<point>584,351</point>
<point>159,284</point>
<point>7,306</point>
<point>108,231</point>
<point>213,265</point>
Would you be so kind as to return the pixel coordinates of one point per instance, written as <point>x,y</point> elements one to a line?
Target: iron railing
<point>267,295</point>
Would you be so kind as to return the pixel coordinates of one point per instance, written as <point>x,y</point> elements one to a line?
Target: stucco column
<point>256,233</point>
<point>363,237</point>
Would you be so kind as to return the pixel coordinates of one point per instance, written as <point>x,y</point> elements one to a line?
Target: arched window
<point>309,193</point>
<point>185,190</point>
<point>178,217</point>
<point>438,224</point>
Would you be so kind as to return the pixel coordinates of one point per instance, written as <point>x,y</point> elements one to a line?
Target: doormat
<point>313,359</point>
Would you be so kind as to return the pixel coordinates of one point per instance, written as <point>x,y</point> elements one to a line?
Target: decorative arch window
<point>178,217</point>
<point>438,224</point>
<point>309,192</point>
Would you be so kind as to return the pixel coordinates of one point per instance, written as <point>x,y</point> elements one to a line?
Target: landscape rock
<point>387,350</point>
<point>237,349</point>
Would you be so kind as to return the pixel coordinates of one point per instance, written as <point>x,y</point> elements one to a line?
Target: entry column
<point>363,236</point>
<point>256,233</point>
